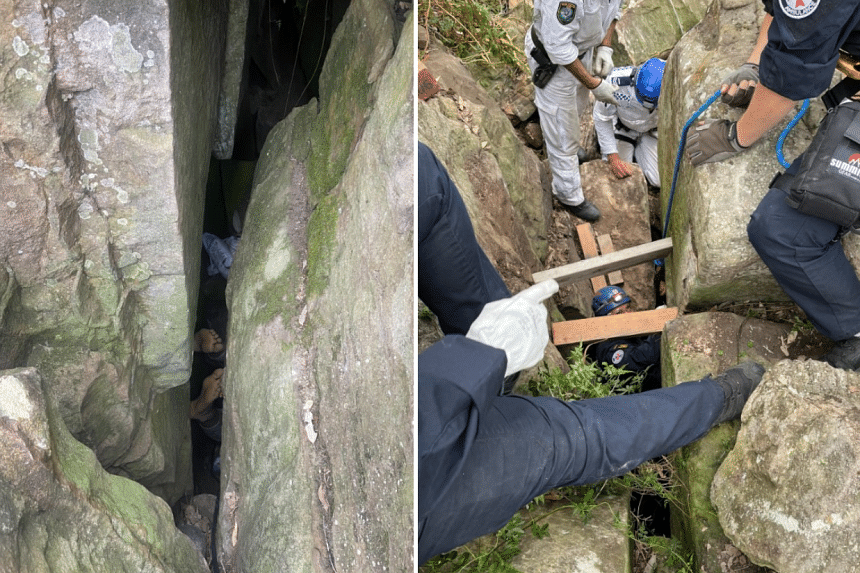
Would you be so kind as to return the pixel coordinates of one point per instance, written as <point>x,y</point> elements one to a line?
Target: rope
<point>681,146</point>
<point>779,145</point>
<point>781,141</point>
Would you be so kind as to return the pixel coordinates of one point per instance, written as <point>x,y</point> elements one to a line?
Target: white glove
<point>516,325</point>
<point>602,61</point>
<point>603,92</point>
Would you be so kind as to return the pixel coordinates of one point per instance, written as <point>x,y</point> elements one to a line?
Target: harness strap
<point>846,88</point>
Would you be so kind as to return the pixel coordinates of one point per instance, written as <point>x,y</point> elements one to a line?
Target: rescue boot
<point>737,384</point>
<point>586,211</point>
<point>845,354</point>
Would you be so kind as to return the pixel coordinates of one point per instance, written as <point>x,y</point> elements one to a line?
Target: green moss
<point>341,115</point>
<point>322,229</point>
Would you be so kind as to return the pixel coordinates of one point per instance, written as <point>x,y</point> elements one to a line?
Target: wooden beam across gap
<point>604,243</point>
<point>589,250</point>
<point>606,263</point>
<point>613,326</point>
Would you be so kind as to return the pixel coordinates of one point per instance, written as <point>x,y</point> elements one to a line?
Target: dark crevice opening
<point>285,46</point>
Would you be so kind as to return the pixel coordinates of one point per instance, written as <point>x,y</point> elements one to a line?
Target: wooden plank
<point>604,243</point>
<point>613,326</point>
<point>605,263</point>
<point>589,251</point>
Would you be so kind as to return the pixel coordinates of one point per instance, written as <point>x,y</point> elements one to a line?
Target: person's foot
<point>586,211</point>
<point>845,354</point>
<point>207,340</point>
<point>201,407</point>
<point>737,384</point>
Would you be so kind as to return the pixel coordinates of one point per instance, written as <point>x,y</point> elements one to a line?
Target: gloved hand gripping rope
<point>779,146</point>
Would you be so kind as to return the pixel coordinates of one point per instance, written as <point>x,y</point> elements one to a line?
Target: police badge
<point>566,12</point>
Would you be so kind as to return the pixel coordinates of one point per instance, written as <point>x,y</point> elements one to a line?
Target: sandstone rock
<point>648,28</point>
<point>694,346</point>
<point>103,177</point>
<point>712,261</point>
<point>423,38</point>
<point>787,492</point>
<point>317,451</point>
<point>574,544</point>
<point>60,510</point>
<point>533,135</point>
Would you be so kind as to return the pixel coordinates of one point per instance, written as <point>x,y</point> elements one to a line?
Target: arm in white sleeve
<point>604,125</point>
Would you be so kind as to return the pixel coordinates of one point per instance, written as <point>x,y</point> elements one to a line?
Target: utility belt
<point>827,184</point>
<point>546,68</point>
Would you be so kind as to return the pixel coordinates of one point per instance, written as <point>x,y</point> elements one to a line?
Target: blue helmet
<point>608,299</point>
<point>649,76</point>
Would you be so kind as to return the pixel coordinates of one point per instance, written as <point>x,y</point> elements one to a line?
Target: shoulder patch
<point>798,9</point>
<point>617,356</point>
<point>566,13</point>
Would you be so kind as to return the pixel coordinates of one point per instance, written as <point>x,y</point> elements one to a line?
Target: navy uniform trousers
<point>482,456</point>
<point>806,258</point>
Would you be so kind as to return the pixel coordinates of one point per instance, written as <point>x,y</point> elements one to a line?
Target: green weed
<point>473,31</point>
<point>585,380</point>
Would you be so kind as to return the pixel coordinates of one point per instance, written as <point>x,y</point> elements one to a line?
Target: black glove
<point>748,73</point>
<point>713,141</point>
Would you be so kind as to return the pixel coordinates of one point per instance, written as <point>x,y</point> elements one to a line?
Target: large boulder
<point>624,217</point>
<point>787,493</point>
<point>694,346</point>
<point>471,135</point>
<point>713,261</point>
<point>60,511</point>
<point>317,463</point>
<point>648,28</point>
<point>107,118</point>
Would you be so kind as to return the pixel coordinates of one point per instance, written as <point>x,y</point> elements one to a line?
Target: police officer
<point>627,129</point>
<point>797,51</point>
<point>481,455</point>
<point>636,353</point>
<point>560,44</point>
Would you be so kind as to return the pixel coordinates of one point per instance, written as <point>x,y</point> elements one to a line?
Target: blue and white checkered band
<point>619,96</point>
<point>566,12</point>
<point>798,9</point>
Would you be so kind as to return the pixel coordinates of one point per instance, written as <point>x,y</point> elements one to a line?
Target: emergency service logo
<point>617,356</point>
<point>845,162</point>
<point>566,12</point>
<point>798,9</point>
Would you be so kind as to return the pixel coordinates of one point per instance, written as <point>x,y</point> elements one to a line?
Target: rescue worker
<point>797,51</point>
<point>569,49</point>
<point>627,128</point>
<point>482,455</point>
<point>634,353</point>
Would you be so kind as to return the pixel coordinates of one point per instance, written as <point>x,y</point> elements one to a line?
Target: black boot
<point>845,354</point>
<point>737,384</point>
<point>587,211</point>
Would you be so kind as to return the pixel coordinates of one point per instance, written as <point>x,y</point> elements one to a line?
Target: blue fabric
<point>637,354</point>
<point>482,456</point>
<point>801,53</point>
<point>807,260</point>
<point>516,447</point>
<point>455,278</point>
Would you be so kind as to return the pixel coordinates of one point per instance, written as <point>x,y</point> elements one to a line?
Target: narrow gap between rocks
<point>285,46</point>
